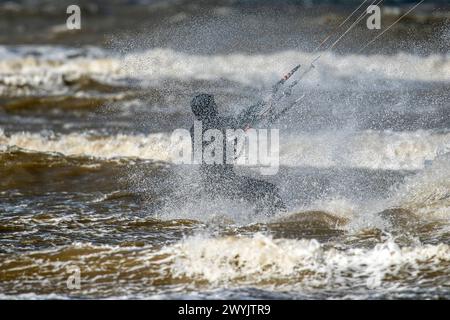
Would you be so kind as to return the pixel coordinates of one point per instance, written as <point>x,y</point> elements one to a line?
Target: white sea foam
<point>260,259</point>
<point>152,147</point>
<point>366,149</point>
<point>47,69</point>
<point>263,69</point>
<point>304,262</point>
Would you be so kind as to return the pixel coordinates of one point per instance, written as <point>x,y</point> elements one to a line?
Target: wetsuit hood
<point>204,107</point>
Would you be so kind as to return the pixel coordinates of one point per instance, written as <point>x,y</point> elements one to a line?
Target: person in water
<point>219,179</point>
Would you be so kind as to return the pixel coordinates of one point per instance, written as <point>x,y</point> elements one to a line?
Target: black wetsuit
<point>221,180</point>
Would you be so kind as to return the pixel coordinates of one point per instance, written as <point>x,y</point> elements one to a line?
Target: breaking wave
<point>153,146</point>
<point>263,69</point>
<point>428,192</point>
<point>27,70</point>
<point>49,69</point>
<point>281,264</point>
<point>305,262</point>
<point>366,149</point>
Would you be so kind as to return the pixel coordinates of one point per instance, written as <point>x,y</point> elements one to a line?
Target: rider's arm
<point>249,116</point>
